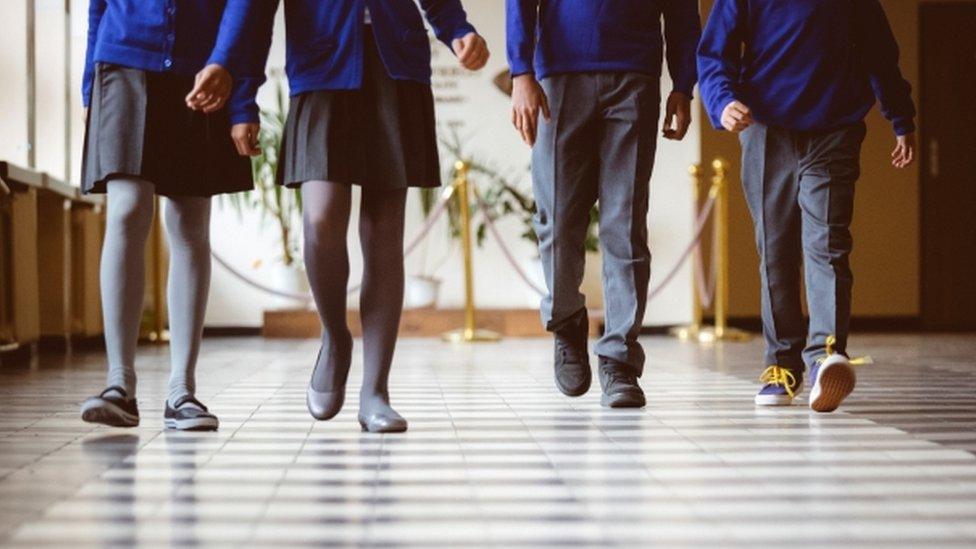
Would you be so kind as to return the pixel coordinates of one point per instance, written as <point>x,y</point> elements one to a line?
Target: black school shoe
<point>111,410</point>
<point>619,384</point>
<point>188,418</point>
<point>572,358</point>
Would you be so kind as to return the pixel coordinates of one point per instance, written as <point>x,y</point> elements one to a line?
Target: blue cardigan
<point>548,37</point>
<point>181,36</point>
<point>803,64</point>
<point>325,39</point>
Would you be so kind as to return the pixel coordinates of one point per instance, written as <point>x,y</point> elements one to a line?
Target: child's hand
<point>245,138</point>
<point>528,100</point>
<point>677,116</point>
<point>904,153</point>
<point>211,90</point>
<point>736,117</point>
<point>472,51</point>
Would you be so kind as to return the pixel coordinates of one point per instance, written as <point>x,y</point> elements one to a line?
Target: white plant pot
<point>592,286</point>
<point>289,279</point>
<point>533,270</point>
<point>421,292</point>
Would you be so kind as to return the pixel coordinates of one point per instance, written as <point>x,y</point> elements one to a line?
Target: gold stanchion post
<point>158,332</point>
<point>691,331</point>
<point>469,333</point>
<point>721,331</point>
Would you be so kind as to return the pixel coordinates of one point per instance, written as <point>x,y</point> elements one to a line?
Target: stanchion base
<point>689,332</point>
<point>158,337</point>
<point>7,347</point>
<point>710,335</point>
<point>464,335</point>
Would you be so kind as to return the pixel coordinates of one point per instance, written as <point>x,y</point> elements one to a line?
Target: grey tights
<point>187,221</point>
<point>327,207</point>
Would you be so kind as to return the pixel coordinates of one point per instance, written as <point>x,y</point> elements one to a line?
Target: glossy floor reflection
<point>496,457</point>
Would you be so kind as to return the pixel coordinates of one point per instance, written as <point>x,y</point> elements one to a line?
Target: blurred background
<point>914,259</point>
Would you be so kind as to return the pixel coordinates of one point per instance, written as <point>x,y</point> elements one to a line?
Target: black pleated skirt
<point>381,136</point>
<point>139,126</point>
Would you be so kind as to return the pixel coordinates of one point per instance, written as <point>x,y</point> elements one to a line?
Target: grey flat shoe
<point>324,405</point>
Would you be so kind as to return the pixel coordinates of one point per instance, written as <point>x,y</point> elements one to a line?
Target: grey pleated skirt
<point>381,136</point>
<point>139,126</point>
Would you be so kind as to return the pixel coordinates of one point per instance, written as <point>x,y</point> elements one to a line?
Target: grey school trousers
<point>800,191</point>
<point>599,145</point>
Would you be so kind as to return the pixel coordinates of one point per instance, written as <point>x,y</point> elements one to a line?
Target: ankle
<point>373,396</point>
<point>338,342</point>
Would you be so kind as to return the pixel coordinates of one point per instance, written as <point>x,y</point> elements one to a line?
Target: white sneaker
<point>833,379</point>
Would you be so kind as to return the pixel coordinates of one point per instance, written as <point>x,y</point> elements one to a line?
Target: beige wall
<point>886,221</point>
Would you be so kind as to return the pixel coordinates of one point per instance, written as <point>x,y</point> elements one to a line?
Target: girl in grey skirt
<point>159,123</point>
<point>362,113</point>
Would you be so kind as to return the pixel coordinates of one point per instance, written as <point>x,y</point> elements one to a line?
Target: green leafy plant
<point>504,194</point>
<point>276,204</point>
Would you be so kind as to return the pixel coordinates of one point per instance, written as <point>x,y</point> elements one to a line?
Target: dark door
<point>948,163</point>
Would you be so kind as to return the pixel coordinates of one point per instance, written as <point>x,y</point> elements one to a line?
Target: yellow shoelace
<point>776,375</point>
<point>831,344</point>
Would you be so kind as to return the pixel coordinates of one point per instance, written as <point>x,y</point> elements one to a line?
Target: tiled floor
<point>496,457</point>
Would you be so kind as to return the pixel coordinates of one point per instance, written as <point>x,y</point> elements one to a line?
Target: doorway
<point>947,150</point>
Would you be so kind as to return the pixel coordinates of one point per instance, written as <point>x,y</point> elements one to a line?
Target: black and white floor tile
<point>495,457</point>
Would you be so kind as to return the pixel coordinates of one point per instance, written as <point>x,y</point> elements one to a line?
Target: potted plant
<point>277,206</point>
<point>505,194</point>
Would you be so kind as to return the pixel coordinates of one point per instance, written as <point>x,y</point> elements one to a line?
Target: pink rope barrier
<point>706,290</point>
<point>703,216</point>
<point>694,246</point>
<point>490,223</point>
<point>429,223</point>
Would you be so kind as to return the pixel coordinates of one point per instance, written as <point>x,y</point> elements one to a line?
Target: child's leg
<point>326,209</point>
<point>122,273</point>
<point>565,183</point>
<point>187,221</point>
<point>828,172</point>
<point>628,140</point>
<point>381,301</point>
<point>769,165</point>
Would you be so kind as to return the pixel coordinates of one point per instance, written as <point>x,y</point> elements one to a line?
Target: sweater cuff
<point>685,88</point>
<point>519,67</point>
<point>717,106</point>
<point>220,58</point>
<point>904,126</point>
<point>463,30</point>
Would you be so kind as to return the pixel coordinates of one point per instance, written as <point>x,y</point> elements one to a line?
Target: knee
<point>831,245</point>
<point>129,218</point>
<point>624,243</point>
<point>323,229</point>
<point>188,228</point>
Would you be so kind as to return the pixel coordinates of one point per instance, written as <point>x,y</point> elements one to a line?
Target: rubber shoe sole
<point>629,399</point>
<point>835,381</point>
<point>193,424</point>
<point>393,427</point>
<point>777,400</point>
<point>102,412</point>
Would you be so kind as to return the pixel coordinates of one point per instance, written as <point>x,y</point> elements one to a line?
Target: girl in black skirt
<point>157,87</point>
<point>362,113</point>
